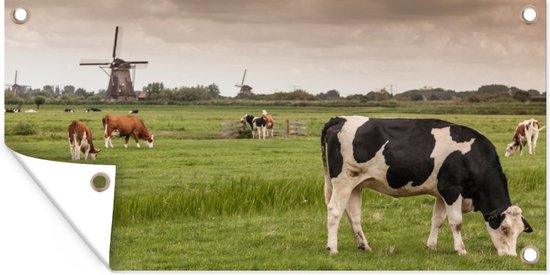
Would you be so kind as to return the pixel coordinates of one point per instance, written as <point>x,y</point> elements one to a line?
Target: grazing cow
<point>408,157</point>
<point>269,122</point>
<point>133,111</point>
<point>256,124</point>
<point>92,110</point>
<point>16,110</point>
<point>80,139</point>
<point>69,111</point>
<point>126,126</point>
<point>527,132</point>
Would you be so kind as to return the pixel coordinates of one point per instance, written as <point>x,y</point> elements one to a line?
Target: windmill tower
<point>18,90</point>
<point>245,90</point>
<point>121,87</point>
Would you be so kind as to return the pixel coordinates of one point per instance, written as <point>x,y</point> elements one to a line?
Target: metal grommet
<point>529,14</point>
<point>100,182</point>
<point>20,15</point>
<point>529,255</point>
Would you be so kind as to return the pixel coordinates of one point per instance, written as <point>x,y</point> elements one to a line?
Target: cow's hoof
<point>331,251</point>
<point>432,246</point>
<point>462,252</point>
<point>365,248</point>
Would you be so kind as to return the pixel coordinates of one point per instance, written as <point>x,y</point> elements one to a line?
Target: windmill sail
<point>120,85</point>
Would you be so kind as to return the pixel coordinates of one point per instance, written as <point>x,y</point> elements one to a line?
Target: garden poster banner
<point>286,135</point>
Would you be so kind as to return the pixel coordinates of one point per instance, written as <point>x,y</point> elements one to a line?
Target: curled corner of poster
<point>69,188</point>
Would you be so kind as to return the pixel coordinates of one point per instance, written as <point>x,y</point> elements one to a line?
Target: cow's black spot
<point>451,177</point>
<point>477,175</point>
<point>330,136</point>
<point>407,153</point>
<point>461,134</point>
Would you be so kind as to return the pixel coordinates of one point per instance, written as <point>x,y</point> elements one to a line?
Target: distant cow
<point>80,140</point>
<point>126,126</point>
<point>69,111</point>
<point>408,157</point>
<point>16,110</point>
<point>527,132</point>
<point>256,124</point>
<point>133,111</point>
<point>92,110</point>
<point>269,122</point>
<point>30,111</point>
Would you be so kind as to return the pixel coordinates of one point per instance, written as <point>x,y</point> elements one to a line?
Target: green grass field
<point>198,202</point>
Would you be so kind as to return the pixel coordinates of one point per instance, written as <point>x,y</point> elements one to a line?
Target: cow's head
<point>247,119</point>
<point>504,229</point>
<point>93,153</point>
<point>149,141</point>
<point>511,149</point>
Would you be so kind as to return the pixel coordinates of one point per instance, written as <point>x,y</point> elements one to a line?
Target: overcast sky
<point>354,46</point>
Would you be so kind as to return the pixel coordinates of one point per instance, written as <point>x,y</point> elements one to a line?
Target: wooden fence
<point>295,128</point>
<point>232,129</point>
<point>235,129</point>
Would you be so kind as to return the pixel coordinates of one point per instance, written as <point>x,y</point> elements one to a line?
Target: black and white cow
<point>407,157</point>
<point>69,110</point>
<point>133,111</point>
<point>92,110</point>
<point>256,124</point>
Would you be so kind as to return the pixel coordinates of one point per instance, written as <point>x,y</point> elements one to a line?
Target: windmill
<point>18,90</point>
<point>120,85</point>
<point>245,90</point>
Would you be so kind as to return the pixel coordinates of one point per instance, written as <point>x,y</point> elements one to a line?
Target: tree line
<point>156,92</point>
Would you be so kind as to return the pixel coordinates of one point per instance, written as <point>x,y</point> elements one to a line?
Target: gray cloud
<point>318,44</point>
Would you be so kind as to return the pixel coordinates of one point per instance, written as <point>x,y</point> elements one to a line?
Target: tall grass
<point>242,195</point>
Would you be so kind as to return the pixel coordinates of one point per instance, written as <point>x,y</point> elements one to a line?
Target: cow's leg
<point>136,138</point>
<point>107,136</point>
<point>77,151</point>
<point>126,142</point>
<point>520,149</point>
<point>264,131</point>
<point>259,132</point>
<point>354,216</point>
<point>86,153</point>
<point>454,214</point>
<point>438,216</point>
<point>71,148</point>
<point>529,143</point>
<point>338,202</point>
<point>535,138</point>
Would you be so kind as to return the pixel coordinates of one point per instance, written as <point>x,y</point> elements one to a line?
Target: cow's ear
<point>526,225</point>
<point>494,220</point>
<point>495,223</point>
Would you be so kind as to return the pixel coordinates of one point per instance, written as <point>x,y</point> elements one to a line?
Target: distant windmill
<point>245,90</point>
<point>18,90</point>
<point>120,86</point>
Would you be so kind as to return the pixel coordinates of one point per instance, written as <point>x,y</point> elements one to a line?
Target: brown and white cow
<point>80,140</point>
<point>527,132</point>
<point>269,122</point>
<point>126,126</point>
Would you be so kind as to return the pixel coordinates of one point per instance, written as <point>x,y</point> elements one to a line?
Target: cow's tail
<point>542,128</point>
<point>328,184</point>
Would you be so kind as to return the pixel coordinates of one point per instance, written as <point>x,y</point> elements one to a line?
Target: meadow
<point>197,202</point>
